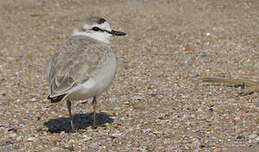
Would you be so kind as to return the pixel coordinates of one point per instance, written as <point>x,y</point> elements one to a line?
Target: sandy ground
<point>156,102</point>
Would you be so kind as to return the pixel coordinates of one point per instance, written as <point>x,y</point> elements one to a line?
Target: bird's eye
<point>96,28</point>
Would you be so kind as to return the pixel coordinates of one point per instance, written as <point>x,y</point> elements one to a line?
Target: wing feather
<point>76,61</point>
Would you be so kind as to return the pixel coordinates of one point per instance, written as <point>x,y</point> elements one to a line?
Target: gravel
<point>156,102</point>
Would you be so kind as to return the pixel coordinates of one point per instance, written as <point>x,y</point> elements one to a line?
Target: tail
<point>56,99</point>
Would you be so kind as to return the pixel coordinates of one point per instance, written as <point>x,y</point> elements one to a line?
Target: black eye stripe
<point>96,29</point>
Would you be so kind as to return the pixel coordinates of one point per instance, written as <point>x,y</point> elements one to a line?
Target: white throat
<point>100,36</point>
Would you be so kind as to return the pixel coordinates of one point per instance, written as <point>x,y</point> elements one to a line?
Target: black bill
<point>117,33</point>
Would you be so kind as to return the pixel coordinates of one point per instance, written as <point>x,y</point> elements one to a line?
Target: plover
<point>84,66</point>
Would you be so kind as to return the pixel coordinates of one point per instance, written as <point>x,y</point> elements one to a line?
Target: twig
<point>253,86</point>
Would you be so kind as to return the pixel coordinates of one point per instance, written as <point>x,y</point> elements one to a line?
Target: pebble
<point>198,131</point>
<point>64,137</point>
<point>252,136</point>
<point>221,75</point>
<point>16,147</point>
<point>7,143</point>
<point>69,147</point>
<point>13,135</point>
<point>241,137</point>
<point>157,132</point>
<point>86,138</point>
<point>30,139</point>
<point>136,98</point>
<point>78,106</point>
<point>148,130</point>
<point>55,149</point>
<point>19,138</point>
<point>153,95</point>
<point>10,58</point>
<point>94,145</point>
<point>33,99</point>
<point>144,148</point>
<point>116,134</point>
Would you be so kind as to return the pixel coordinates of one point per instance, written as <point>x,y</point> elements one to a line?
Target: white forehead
<point>105,25</point>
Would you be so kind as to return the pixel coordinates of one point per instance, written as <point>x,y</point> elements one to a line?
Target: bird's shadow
<point>81,121</point>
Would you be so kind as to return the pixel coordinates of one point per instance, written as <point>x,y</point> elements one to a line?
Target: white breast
<point>105,75</point>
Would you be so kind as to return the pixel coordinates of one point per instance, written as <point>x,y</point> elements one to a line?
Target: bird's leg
<point>70,114</point>
<point>94,107</point>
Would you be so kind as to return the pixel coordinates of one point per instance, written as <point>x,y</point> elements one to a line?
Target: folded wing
<point>76,62</point>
